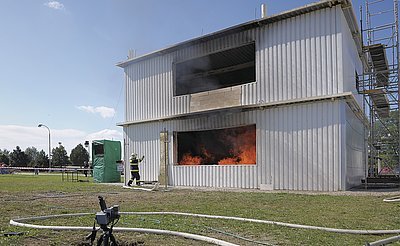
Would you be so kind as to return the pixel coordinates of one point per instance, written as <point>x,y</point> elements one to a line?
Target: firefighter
<point>134,163</point>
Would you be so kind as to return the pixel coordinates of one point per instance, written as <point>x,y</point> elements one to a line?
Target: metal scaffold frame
<point>380,83</point>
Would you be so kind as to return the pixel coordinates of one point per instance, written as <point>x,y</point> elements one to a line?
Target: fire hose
<point>20,222</point>
<point>390,239</point>
<point>392,199</point>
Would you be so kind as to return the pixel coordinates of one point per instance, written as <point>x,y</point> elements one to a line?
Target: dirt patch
<point>120,243</point>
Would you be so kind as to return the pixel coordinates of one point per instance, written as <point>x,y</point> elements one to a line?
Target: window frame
<point>176,64</point>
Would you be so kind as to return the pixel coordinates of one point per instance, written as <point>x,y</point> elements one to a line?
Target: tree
<point>4,156</point>
<point>32,153</point>
<point>42,160</point>
<point>79,155</point>
<point>386,139</point>
<point>60,157</point>
<point>5,151</point>
<point>18,158</point>
<point>4,159</point>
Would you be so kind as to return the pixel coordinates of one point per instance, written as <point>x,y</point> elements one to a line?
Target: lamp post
<point>41,125</point>
<point>87,145</point>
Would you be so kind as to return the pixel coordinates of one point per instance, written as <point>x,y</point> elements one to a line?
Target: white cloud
<point>105,134</point>
<point>104,112</point>
<point>28,136</point>
<point>55,5</point>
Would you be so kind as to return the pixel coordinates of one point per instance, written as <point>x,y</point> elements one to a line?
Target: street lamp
<point>87,145</point>
<point>40,125</point>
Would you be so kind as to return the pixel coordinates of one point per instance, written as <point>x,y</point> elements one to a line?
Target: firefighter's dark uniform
<point>134,163</point>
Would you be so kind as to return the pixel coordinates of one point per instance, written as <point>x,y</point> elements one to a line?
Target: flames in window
<point>231,146</point>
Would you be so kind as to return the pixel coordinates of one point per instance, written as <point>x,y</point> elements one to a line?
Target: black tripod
<point>107,239</point>
<point>105,217</point>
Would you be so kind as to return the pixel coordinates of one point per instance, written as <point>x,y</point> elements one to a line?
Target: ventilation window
<point>218,70</point>
<point>357,82</point>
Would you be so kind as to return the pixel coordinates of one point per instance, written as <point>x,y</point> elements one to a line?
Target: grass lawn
<point>29,195</point>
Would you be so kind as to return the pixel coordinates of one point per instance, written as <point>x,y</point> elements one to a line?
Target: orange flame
<point>228,161</point>
<point>188,159</point>
<point>242,144</point>
<point>244,149</point>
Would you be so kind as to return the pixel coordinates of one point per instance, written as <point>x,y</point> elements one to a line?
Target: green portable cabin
<point>105,154</point>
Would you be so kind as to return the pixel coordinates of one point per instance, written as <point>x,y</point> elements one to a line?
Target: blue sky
<point>57,59</point>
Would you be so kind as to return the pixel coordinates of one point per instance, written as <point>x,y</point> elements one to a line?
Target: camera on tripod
<point>107,215</point>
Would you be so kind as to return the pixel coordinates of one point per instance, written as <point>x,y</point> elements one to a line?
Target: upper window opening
<point>218,70</point>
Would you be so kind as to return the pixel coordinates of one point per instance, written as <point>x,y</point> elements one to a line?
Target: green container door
<point>105,154</point>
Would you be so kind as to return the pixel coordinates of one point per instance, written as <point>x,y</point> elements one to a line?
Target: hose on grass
<point>202,227</point>
<point>20,222</point>
<point>290,225</point>
<point>237,236</point>
<point>389,239</point>
<point>384,241</point>
<point>392,199</point>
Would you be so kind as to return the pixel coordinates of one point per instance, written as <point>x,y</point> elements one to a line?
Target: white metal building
<point>290,78</point>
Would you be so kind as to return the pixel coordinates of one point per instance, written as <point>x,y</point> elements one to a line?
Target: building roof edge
<point>247,25</point>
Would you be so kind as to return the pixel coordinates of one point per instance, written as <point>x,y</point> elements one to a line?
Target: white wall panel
<point>299,147</point>
<point>355,169</point>
<point>351,62</point>
<point>295,58</point>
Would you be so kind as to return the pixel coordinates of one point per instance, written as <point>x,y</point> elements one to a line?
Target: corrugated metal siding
<point>351,62</point>
<point>354,131</point>
<point>299,57</point>
<point>355,149</point>
<point>295,58</point>
<point>299,147</point>
<point>303,147</point>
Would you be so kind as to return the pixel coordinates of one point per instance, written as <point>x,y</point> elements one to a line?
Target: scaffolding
<point>379,84</point>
